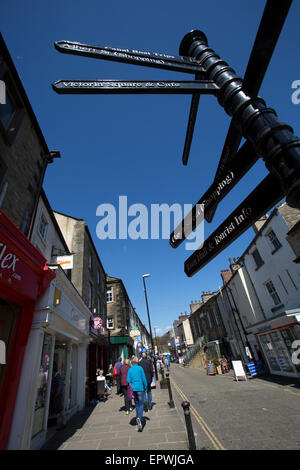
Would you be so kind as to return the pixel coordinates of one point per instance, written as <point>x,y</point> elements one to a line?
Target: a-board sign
<point>210,368</point>
<point>256,368</point>
<point>204,87</point>
<point>263,198</point>
<point>239,371</point>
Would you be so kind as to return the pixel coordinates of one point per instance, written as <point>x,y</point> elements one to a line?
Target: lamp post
<point>148,275</point>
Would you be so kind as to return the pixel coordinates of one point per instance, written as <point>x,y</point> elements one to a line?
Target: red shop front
<point>24,277</point>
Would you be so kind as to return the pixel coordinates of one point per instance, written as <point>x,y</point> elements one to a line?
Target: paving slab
<point>107,427</point>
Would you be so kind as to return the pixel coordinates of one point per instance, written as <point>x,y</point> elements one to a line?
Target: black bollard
<point>171,402</point>
<point>189,427</point>
<point>162,373</point>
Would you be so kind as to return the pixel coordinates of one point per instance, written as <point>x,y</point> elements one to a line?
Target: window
<point>43,227</point>
<point>273,240</point>
<point>257,258</point>
<point>90,261</point>
<point>12,110</point>
<point>272,291</point>
<point>110,323</point>
<point>98,277</point>
<point>7,111</point>
<point>90,300</point>
<point>109,295</point>
<point>57,297</point>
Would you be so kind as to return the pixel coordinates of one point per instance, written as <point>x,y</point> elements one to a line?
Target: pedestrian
<point>167,363</point>
<point>109,375</point>
<point>147,365</point>
<point>117,368</point>
<point>99,377</point>
<point>136,378</point>
<point>57,397</point>
<point>123,371</point>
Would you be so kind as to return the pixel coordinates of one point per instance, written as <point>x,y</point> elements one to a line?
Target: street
<point>258,414</point>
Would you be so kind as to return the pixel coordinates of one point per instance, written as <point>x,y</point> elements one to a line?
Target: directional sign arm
<point>191,123</point>
<point>205,87</point>
<point>244,159</point>
<point>258,203</point>
<point>132,56</point>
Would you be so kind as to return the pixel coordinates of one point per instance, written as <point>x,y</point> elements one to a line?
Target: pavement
<point>106,426</point>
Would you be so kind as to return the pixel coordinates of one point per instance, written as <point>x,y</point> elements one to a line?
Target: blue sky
<point>128,145</point>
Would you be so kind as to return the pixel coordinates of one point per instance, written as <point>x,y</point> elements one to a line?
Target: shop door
<point>60,358</point>
<point>8,317</point>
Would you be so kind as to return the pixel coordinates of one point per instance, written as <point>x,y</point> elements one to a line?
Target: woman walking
<point>136,378</point>
<point>123,371</point>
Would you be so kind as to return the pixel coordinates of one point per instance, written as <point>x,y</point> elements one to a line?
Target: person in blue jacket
<point>137,379</point>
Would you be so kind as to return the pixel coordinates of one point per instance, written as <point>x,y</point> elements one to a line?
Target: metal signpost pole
<point>155,368</point>
<point>272,139</point>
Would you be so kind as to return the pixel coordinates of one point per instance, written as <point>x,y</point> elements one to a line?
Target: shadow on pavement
<point>279,380</point>
<point>75,423</point>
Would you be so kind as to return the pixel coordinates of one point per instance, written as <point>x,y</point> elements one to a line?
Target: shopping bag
<point>130,394</point>
<point>153,383</point>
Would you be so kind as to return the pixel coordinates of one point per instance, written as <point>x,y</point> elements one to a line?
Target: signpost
<point>266,136</point>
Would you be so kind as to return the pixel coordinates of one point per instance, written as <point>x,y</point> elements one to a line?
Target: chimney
<point>194,306</point>
<point>259,223</point>
<point>226,275</point>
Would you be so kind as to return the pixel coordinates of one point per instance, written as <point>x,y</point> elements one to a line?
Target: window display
<point>8,316</point>
<point>40,402</point>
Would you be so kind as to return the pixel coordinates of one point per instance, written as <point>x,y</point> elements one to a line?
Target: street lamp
<point>148,275</point>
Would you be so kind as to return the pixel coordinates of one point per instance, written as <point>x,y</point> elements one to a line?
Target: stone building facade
<point>24,154</point>
<point>122,321</point>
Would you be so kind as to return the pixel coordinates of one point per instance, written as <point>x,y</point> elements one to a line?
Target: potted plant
<point>163,382</point>
<point>218,366</point>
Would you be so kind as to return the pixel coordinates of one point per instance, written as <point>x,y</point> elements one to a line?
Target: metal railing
<point>188,356</point>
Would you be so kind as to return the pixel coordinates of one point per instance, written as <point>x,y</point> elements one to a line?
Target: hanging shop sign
<point>97,323</point>
<point>66,262</point>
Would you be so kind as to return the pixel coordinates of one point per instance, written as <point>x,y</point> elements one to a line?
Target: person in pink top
<point>124,384</point>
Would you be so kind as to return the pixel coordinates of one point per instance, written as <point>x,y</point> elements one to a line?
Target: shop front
<point>58,339</point>
<point>97,358</point>
<point>278,339</point>
<point>23,279</point>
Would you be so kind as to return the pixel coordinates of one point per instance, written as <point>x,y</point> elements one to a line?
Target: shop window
<point>275,243</point>
<point>43,383</point>
<point>257,259</point>
<point>272,291</point>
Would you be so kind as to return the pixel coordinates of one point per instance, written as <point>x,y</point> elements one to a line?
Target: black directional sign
<point>132,56</point>
<point>135,87</point>
<point>258,203</point>
<point>222,185</point>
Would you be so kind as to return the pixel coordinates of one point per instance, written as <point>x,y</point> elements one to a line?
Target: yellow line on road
<point>216,443</point>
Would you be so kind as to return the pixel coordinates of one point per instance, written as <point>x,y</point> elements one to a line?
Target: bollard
<point>171,402</point>
<point>162,373</point>
<point>189,427</point>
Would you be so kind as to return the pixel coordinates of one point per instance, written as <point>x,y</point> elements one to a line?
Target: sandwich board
<point>239,370</point>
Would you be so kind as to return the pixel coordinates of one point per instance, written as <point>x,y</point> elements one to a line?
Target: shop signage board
<point>66,262</point>
<point>263,198</point>
<point>97,323</point>
<point>210,368</point>
<point>239,371</point>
